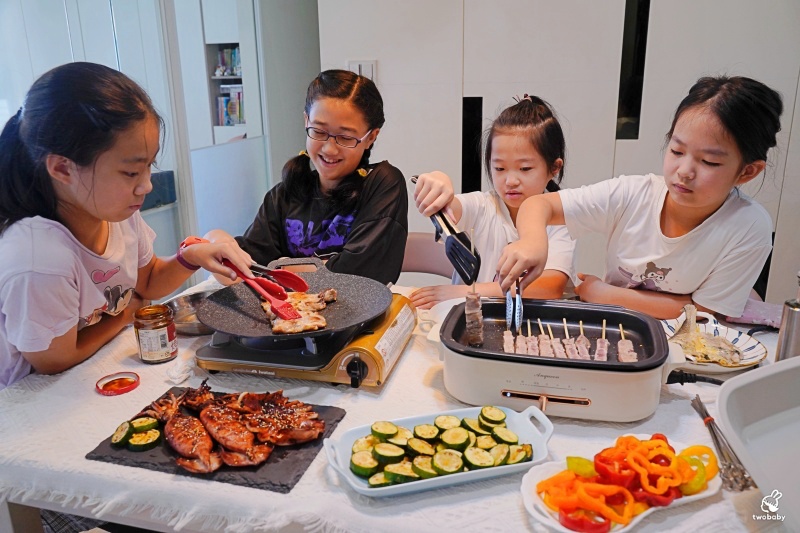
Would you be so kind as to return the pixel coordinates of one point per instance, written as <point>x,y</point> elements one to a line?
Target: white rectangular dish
<point>339,451</point>
<point>760,417</point>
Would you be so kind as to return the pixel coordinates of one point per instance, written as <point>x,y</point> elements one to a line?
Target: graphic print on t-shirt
<point>117,298</point>
<point>330,236</point>
<point>649,280</point>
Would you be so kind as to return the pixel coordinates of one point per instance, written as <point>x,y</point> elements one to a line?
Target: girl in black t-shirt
<point>332,203</point>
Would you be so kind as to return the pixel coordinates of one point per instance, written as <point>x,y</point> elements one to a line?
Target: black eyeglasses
<point>342,140</point>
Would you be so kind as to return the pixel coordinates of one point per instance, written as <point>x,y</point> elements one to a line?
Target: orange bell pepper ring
<point>592,497</point>
<point>668,476</point>
<point>705,454</point>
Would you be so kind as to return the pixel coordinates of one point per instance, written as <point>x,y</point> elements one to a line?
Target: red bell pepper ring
<point>613,471</point>
<point>657,500</point>
<point>661,436</point>
<point>584,521</point>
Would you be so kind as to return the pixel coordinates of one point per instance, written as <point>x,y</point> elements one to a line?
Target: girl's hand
<point>519,257</point>
<point>433,192</point>
<point>427,297</point>
<point>592,288</point>
<point>210,256</point>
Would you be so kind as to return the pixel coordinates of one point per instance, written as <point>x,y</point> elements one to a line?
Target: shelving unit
<point>226,90</point>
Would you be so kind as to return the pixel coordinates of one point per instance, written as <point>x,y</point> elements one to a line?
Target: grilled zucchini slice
<point>485,442</point>
<point>456,438</point>
<point>492,414</point>
<point>427,432</point>
<point>401,437</point>
<point>378,480</point>
<point>477,458</point>
<point>400,473</point>
<point>144,440</point>
<point>473,425</point>
<point>363,464</point>
<point>383,430</point>
<point>422,465</point>
<point>419,447</point>
<point>448,462</point>
<point>386,453</point>
<point>364,443</point>
<point>444,422</point>
<point>516,454</point>
<point>500,454</point>
<point>505,435</point>
<point>145,423</point>
<point>122,435</point>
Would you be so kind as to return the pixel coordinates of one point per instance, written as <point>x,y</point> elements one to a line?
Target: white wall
<point>430,54</point>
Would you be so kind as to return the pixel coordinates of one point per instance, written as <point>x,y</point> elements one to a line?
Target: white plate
<point>339,451</point>
<point>431,319</point>
<point>752,349</point>
<point>538,510</point>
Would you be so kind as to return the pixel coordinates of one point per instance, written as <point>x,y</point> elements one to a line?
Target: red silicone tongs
<point>270,291</point>
<point>284,277</point>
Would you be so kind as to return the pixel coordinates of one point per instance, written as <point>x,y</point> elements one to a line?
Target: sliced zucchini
<point>378,480</point>
<point>383,430</point>
<point>439,446</point>
<point>500,454</point>
<point>419,447</point>
<point>400,473</point>
<point>446,422</point>
<point>144,440</point>
<point>122,435</point>
<point>456,438</point>
<point>427,432</point>
<point>485,442</point>
<point>478,458</point>
<point>423,466</point>
<point>448,462</point>
<point>489,426</point>
<point>505,435</point>
<point>492,414</point>
<point>386,453</point>
<point>401,437</point>
<point>473,425</point>
<point>364,443</point>
<point>516,454</point>
<point>145,423</point>
<point>528,450</point>
<point>472,439</point>
<point>363,464</point>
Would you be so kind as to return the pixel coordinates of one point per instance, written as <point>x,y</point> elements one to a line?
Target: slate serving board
<point>280,473</point>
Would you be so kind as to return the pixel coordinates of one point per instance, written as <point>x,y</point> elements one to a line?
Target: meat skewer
<point>508,341</point>
<point>533,342</point>
<point>474,318</point>
<point>625,351</point>
<point>545,346</point>
<point>569,343</point>
<point>601,352</point>
<point>582,344</point>
<point>558,348</point>
<point>521,344</point>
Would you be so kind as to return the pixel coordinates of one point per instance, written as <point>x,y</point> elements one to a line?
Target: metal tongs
<point>514,308</point>
<point>731,470</point>
<point>458,248</point>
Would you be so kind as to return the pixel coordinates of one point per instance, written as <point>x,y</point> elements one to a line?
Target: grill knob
<point>357,370</point>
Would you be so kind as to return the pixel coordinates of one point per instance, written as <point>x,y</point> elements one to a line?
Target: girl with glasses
<point>524,156</point>
<point>332,202</point>
<point>688,236</point>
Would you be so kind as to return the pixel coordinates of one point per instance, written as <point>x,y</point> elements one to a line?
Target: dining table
<point>49,423</point>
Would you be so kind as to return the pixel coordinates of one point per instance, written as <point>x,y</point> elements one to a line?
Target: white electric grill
<point>595,390</point>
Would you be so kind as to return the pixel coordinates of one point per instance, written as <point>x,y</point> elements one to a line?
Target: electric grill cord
<point>679,376</point>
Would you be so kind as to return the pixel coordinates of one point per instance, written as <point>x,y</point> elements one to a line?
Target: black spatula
<point>458,248</point>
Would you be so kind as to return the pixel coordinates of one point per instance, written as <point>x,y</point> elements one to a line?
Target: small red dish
<point>116,384</point>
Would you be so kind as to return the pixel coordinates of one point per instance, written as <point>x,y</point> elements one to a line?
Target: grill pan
<point>236,309</point>
<point>645,332</point>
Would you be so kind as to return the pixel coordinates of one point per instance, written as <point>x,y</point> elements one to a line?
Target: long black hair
<point>748,110</point>
<point>537,119</point>
<point>300,182</point>
<point>74,110</point>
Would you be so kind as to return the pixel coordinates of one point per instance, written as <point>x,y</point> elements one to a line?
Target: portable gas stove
<point>368,328</point>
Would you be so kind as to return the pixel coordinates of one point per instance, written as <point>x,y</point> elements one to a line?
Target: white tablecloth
<point>49,424</point>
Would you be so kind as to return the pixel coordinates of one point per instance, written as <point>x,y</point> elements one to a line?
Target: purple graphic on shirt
<point>328,238</point>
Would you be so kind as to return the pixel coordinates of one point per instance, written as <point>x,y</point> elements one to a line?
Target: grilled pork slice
<point>308,321</point>
<point>474,318</point>
<point>625,351</point>
<point>545,346</point>
<point>558,349</point>
<point>521,345</point>
<point>508,342</point>
<point>570,348</point>
<point>601,354</point>
<point>533,345</point>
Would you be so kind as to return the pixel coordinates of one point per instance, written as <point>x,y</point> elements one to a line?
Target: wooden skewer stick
<point>580,323</point>
<point>529,327</point>
<point>541,329</point>
<point>472,251</point>
<point>550,330</point>
<point>621,332</point>
<point>566,329</point>
<point>604,328</point>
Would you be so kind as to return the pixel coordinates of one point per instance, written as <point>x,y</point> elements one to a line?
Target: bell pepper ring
<point>698,481</point>
<point>584,521</point>
<point>705,454</point>
<point>667,476</point>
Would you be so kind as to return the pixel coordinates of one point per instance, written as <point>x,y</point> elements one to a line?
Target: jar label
<point>156,345</point>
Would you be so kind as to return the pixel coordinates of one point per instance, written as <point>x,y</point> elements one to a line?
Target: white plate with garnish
<point>538,510</point>
<point>753,351</point>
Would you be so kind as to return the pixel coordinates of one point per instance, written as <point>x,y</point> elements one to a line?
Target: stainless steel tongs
<point>514,308</point>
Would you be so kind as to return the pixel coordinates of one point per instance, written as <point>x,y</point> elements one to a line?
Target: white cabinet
<point>220,21</point>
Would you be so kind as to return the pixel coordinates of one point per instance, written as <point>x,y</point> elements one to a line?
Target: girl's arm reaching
<point>434,192</point>
<point>161,276</point>
<point>530,251</point>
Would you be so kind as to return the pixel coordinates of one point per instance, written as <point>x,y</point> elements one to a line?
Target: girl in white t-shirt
<point>524,156</point>
<point>76,257</point>
<point>688,237</point>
